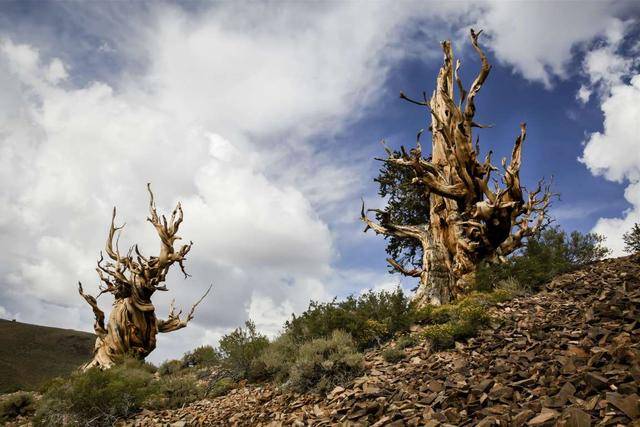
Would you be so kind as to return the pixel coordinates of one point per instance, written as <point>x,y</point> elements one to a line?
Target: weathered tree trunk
<point>133,326</point>
<point>468,221</point>
<point>437,281</point>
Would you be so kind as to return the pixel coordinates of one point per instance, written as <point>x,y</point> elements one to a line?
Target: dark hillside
<point>31,354</point>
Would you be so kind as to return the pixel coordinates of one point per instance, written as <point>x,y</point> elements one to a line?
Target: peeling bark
<point>468,221</point>
<point>132,279</point>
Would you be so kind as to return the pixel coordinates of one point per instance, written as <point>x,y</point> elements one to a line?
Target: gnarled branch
<point>416,272</point>
<point>98,326</point>
<point>174,322</point>
<point>387,228</point>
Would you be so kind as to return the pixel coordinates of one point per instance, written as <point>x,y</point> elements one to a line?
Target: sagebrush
<point>323,363</point>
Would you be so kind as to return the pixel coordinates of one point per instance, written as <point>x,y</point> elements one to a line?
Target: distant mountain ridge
<point>31,354</point>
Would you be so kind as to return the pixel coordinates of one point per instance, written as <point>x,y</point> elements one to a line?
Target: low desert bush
<point>201,357</point>
<point>170,367</point>
<point>393,354</point>
<point>220,387</point>
<point>509,288</point>
<point>406,341</point>
<point>443,336</point>
<point>240,350</point>
<point>457,321</point>
<point>323,363</point>
<point>95,397</point>
<point>173,392</point>
<point>370,318</point>
<point>16,404</point>
<point>546,255</point>
<point>279,356</point>
<point>472,308</point>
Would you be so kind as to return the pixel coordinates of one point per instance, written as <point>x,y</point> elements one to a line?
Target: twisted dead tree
<point>471,217</point>
<point>132,279</point>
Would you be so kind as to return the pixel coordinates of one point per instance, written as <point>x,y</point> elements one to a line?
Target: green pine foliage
<point>406,204</point>
<point>632,239</point>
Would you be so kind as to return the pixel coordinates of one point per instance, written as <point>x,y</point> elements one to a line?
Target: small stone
<point>577,352</point>
<point>629,405</point>
<point>522,418</point>
<point>484,386</point>
<point>560,399</point>
<point>452,415</point>
<point>596,381</point>
<point>337,390</point>
<point>576,417</point>
<point>487,422</point>
<point>545,416</point>
<point>435,386</point>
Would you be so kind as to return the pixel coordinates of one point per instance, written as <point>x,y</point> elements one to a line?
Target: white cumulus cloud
<point>537,38</point>
<point>219,117</point>
<point>615,154</point>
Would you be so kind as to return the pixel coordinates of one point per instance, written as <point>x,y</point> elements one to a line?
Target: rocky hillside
<point>567,356</point>
<point>32,354</point>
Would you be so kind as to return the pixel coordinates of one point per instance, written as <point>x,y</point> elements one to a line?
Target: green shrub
<point>472,308</point>
<point>323,363</point>
<point>460,320</point>
<point>16,404</point>
<point>202,356</point>
<point>431,314</point>
<point>95,397</point>
<point>174,392</point>
<point>501,295</point>
<point>444,336</point>
<point>279,356</point>
<point>370,318</point>
<point>241,348</point>
<point>551,253</point>
<point>393,354</point>
<point>169,367</point>
<point>406,341</point>
<point>585,248</point>
<point>632,239</point>
<point>129,362</point>
<point>220,387</point>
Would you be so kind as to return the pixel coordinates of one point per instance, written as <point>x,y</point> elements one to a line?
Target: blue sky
<point>263,119</point>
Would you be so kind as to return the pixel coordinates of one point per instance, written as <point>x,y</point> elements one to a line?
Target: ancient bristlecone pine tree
<point>467,220</point>
<point>132,279</point>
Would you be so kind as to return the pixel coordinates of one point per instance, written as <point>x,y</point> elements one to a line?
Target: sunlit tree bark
<point>469,220</point>
<point>132,279</point>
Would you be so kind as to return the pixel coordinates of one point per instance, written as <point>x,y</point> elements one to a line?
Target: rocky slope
<point>567,356</point>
